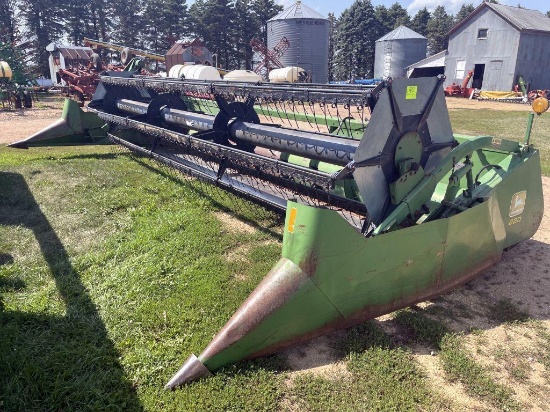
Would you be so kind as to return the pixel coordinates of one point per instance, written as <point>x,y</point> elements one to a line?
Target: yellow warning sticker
<point>411,92</point>
<point>292,219</point>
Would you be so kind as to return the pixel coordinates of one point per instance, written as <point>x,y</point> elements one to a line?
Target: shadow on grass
<point>52,362</point>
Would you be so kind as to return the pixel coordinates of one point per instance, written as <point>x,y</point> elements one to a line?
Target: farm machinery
<point>384,206</point>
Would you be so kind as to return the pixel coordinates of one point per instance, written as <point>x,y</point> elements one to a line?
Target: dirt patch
<point>18,124</point>
<point>233,225</point>
<point>462,103</point>
<point>317,357</point>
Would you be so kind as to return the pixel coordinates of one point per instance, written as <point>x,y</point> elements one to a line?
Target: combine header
<point>378,217</point>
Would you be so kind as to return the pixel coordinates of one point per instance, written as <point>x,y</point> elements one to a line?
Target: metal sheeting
<point>297,11</point>
<point>308,40</point>
<point>75,53</point>
<point>397,50</point>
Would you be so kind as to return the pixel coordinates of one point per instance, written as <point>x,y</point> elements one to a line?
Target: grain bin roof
<point>401,32</point>
<point>520,18</point>
<point>298,11</point>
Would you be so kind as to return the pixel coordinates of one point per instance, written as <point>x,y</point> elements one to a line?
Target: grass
<point>112,272</point>
<point>505,124</point>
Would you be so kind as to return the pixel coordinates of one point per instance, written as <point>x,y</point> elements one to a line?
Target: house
<point>500,43</point>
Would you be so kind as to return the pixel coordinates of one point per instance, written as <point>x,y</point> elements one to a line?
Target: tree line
<point>226,27</point>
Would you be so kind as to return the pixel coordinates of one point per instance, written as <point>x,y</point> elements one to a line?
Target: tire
<point>125,56</point>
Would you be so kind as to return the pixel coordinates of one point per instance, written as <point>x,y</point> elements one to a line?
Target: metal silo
<point>307,32</point>
<point>397,50</point>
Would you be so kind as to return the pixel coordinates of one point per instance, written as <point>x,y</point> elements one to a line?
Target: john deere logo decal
<point>518,203</point>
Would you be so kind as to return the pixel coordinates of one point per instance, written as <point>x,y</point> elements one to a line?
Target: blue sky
<point>452,6</point>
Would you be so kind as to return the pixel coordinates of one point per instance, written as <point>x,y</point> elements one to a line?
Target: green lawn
<point>112,271</point>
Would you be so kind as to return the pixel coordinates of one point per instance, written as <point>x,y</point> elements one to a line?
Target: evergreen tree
<point>7,22</point>
<point>419,22</point>
<point>384,22</point>
<point>265,10</point>
<point>399,16</point>
<point>213,22</point>
<point>165,21</point>
<point>391,18</point>
<point>464,11</point>
<point>247,25</point>
<point>357,31</point>
<point>42,24</point>
<point>332,22</point>
<point>127,22</point>
<point>438,29</point>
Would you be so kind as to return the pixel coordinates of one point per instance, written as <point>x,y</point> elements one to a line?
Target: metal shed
<point>428,67</point>
<point>307,32</point>
<point>500,43</point>
<point>188,51</point>
<point>63,57</point>
<point>397,50</point>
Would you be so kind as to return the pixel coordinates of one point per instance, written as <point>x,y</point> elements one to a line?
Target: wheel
<point>125,56</point>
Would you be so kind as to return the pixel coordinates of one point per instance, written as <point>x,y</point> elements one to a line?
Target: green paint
<point>340,278</point>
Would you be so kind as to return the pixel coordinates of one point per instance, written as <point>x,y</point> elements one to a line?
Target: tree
<point>265,10</point>
<point>247,25</point>
<point>438,29</point>
<point>213,21</point>
<point>7,22</point>
<point>391,18</point>
<point>464,11</point>
<point>42,24</point>
<point>420,21</point>
<point>127,22</point>
<point>332,22</point>
<point>165,21</point>
<point>398,15</point>
<point>356,33</point>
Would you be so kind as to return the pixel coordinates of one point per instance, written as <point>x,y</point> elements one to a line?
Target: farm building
<point>307,32</point>
<point>500,43</point>
<point>396,50</point>
<point>63,57</point>
<point>428,67</point>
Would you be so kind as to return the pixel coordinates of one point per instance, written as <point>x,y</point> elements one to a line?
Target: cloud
<point>451,6</point>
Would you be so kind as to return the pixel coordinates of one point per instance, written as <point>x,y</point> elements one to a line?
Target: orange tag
<point>292,219</point>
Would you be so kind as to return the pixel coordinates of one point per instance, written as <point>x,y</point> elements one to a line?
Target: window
<point>460,66</point>
<point>482,33</point>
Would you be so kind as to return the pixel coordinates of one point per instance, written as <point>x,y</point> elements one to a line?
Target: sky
<point>325,7</point>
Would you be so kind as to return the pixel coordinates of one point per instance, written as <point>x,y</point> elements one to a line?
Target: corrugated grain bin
<point>397,50</point>
<point>291,74</point>
<point>5,71</point>
<point>307,32</point>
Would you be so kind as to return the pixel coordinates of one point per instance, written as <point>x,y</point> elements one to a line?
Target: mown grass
<point>505,124</point>
<point>113,271</point>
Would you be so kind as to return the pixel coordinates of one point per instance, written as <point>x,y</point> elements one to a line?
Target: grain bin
<point>307,32</point>
<point>397,50</point>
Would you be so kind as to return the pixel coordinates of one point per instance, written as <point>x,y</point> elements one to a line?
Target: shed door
<point>493,76</point>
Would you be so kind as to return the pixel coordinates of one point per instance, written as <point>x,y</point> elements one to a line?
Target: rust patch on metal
<point>309,263</point>
<point>373,311</point>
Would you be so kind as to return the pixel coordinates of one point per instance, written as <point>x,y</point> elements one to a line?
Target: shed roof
<point>520,18</point>
<point>435,60</point>
<point>298,11</point>
<point>75,53</point>
<point>401,33</point>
